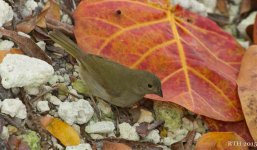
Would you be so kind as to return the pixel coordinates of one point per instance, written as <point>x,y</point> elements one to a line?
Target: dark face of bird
<point>151,84</point>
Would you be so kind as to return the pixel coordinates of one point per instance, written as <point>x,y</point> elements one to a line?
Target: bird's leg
<point>98,112</point>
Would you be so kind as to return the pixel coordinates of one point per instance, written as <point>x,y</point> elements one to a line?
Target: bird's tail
<point>68,45</point>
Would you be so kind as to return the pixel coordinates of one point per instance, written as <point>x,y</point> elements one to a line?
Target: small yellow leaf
<point>61,130</point>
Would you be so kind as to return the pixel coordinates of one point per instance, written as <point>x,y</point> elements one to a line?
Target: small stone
<point>84,146</point>
<point>42,45</point>
<point>105,108</point>
<point>66,78</point>
<point>245,23</point>
<point>197,136</point>
<point>187,124</point>
<point>30,6</point>
<point>69,66</point>
<point>32,90</point>
<point>23,34</point>
<point>54,100</point>
<point>128,132</point>
<point>15,91</point>
<point>76,127</point>
<point>76,112</point>
<point>14,108</point>
<point>6,14</point>
<point>100,127</point>
<point>66,19</point>
<point>5,133</point>
<point>145,116</point>
<point>180,134</point>
<point>153,136</point>
<point>42,106</point>
<point>168,141</point>
<point>6,45</point>
<point>53,80</point>
<point>97,136</point>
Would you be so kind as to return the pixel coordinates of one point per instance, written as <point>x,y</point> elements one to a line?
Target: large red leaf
<point>196,61</point>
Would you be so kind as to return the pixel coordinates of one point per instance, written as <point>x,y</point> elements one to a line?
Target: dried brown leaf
<point>27,45</point>
<point>58,25</point>
<point>51,10</point>
<point>115,146</point>
<point>27,25</point>
<point>255,31</point>
<point>247,86</point>
<point>222,6</point>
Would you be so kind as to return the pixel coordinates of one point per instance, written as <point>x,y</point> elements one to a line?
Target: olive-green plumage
<point>111,81</point>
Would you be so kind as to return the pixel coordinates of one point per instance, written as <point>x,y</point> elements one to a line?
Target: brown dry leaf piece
<point>255,31</point>
<point>222,6</point>
<point>51,10</point>
<point>144,128</point>
<point>27,25</point>
<point>247,6</point>
<point>27,45</point>
<point>58,25</point>
<point>247,86</point>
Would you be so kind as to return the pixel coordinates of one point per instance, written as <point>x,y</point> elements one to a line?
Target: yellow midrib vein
<point>182,55</point>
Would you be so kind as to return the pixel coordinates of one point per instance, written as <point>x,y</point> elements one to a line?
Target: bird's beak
<point>160,93</point>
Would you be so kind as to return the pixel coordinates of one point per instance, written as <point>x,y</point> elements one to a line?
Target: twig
<point>12,122</point>
<point>44,93</point>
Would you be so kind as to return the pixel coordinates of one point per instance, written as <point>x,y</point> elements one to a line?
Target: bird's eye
<point>150,86</point>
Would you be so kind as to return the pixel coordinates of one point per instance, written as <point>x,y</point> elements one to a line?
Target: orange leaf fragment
<point>195,59</point>
<point>221,141</point>
<point>247,87</point>
<point>3,53</point>
<point>61,130</point>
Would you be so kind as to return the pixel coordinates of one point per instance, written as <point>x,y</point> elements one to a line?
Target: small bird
<point>108,80</point>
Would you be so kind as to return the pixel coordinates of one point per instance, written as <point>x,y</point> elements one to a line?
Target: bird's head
<point>150,84</point>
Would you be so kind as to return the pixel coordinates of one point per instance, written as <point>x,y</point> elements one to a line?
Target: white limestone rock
<point>100,127</point>
<point>42,45</point>
<point>5,133</point>
<point>153,136</point>
<point>30,6</point>
<point>128,132</point>
<point>145,116</point>
<point>23,34</point>
<point>191,5</point>
<point>84,146</point>
<point>79,112</point>
<point>32,90</point>
<point>6,45</point>
<point>245,23</point>
<point>54,100</point>
<point>6,14</point>
<point>42,106</point>
<point>20,70</point>
<point>14,108</point>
